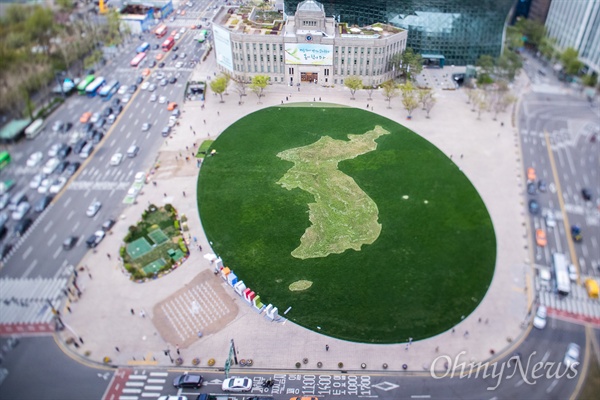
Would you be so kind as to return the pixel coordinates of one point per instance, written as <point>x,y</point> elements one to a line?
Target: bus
<point>84,84</point>
<point>93,87</point>
<point>143,47</point>
<point>4,159</point>
<point>109,89</point>
<point>34,129</point>
<point>137,59</point>
<point>161,31</point>
<point>167,44</point>
<point>561,273</point>
<point>202,36</point>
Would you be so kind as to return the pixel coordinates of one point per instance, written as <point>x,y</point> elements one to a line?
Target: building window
<point>326,71</point>
<point>268,58</point>
<point>247,46</point>
<point>260,46</point>
<point>281,58</point>
<point>342,61</point>
<point>253,46</point>
<point>268,68</point>
<point>267,46</point>
<point>261,58</point>
<point>254,57</point>
<point>291,71</point>
<point>275,69</point>
<point>280,47</point>
<point>248,57</point>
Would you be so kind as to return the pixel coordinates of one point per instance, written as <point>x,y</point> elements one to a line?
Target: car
<point>95,117</point>
<point>74,137</point>
<point>108,224</point>
<point>57,126</point>
<point>119,108</point>
<point>42,203</point>
<point>176,113</point>
<point>58,184</point>
<point>145,127</point>
<point>35,158</point>
<point>116,159</point>
<point>172,80</point>
<point>79,145</point>
<point>534,207</point>
<point>95,239</point>
<point>171,106</point>
<point>22,226</point>
<point>111,119</point>
<point>54,149</point>
<point>166,131</point>
<point>531,174</point>
<point>153,98</point>
<point>182,55</point>
<point>305,398</point>
<point>87,150</point>
<point>576,233</point>
<point>159,56</point>
<point>237,384</point>
<point>70,242</point>
<point>4,199</point>
<point>160,75</point>
<point>126,99</point>
<point>152,64</point>
<point>173,397</point>
<point>190,4</point>
<point>542,186</point>
<point>179,64</point>
<point>139,80</point>
<point>539,321</point>
<point>44,186</point>
<point>72,168</point>
<point>152,87</point>
<point>572,272</point>
<point>531,188</point>
<point>63,151</point>
<point>106,112</point>
<point>586,194</point>
<point>22,209</point>
<point>66,127</point>
<point>93,208</point>
<point>175,57</point>
<point>85,117</point>
<point>116,101</point>
<point>132,151</point>
<point>144,85</point>
<point>123,89</point>
<point>191,381</point>
<point>161,65</point>
<point>155,46</point>
<point>100,123</point>
<point>5,250</point>
<point>164,82</point>
<point>261,398</point>
<point>162,99</point>
<point>36,181</point>
<point>97,137</point>
<point>540,237</point>
<point>62,167</point>
<point>572,355</point>
<point>172,19</point>
<point>182,30</point>
<point>175,48</point>
<point>50,165</point>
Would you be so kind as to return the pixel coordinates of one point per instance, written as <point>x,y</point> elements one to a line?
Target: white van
<point>87,150</point>
<point>132,151</point>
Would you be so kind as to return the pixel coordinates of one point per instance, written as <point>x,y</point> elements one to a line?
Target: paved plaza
<point>195,311</point>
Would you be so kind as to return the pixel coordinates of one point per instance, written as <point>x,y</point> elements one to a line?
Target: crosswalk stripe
<point>159,373</point>
<point>138,384</point>
<point>156,381</point>
<point>138,377</point>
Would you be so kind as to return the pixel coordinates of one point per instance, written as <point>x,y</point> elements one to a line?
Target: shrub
<point>122,251</point>
<point>153,227</point>
<point>176,224</point>
<point>183,246</point>
<point>152,208</point>
<point>169,208</point>
<point>127,237</point>
<point>132,228</point>
<point>129,268</point>
<point>183,218</point>
<point>211,362</point>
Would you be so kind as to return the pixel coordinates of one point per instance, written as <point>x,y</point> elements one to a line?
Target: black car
<point>22,226</point>
<point>5,250</point>
<point>175,48</point>
<point>100,123</point>
<point>107,111</point>
<point>70,242</point>
<point>542,187</point>
<point>188,381</point>
<point>97,137</point>
<point>3,231</point>
<point>155,46</point>
<point>160,65</point>
<point>116,101</point>
<point>90,135</point>
<point>62,166</point>
<point>172,79</point>
<point>94,239</point>
<point>42,203</point>
<point>586,194</point>
<point>72,168</point>
<point>118,110</point>
<point>534,207</point>
<point>64,151</point>
<point>531,189</point>
<point>152,64</point>
<point>66,127</point>
<point>88,126</point>
<point>175,57</point>
<point>132,88</point>
<point>139,80</point>
<point>78,146</point>
<point>108,224</point>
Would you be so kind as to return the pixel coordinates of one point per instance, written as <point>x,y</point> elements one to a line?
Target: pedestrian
<point>108,255</point>
<point>132,312</point>
<point>187,159</point>
<point>69,309</point>
<point>199,247</point>
<point>452,330</point>
<point>479,320</point>
<point>204,122</point>
<point>218,113</point>
<point>117,349</point>
<point>410,341</point>
<point>298,88</point>
<point>466,334</point>
<point>437,349</point>
<point>90,275</point>
<point>202,107</point>
<point>142,314</point>
<point>187,148</point>
<point>286,98</point>
<point>165,194</point>
<point>406,348</point>
<point>461,156</point>
<point>314,99</point>
<point>194,133</point>
<point>184,193</point>
<point>154,183</point>
<point>191,128</point>
<point>371,108</point>
<point>326,347</point>
<point>367,106</point>
<point>281,101</point>
<point>177,347</point>
<point>319,98</point>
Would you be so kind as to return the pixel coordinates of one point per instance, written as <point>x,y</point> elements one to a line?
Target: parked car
<point>93,208</point>
<point>97,137</point>
<point>540,237</point>
<point>108,224</point>
<point>95,239</point>
<point>4,199</point>
<point>534,207</point>
<point>191,381</point>
<point>237,384</point>
<point>542,186</point>
<point>531,189</point>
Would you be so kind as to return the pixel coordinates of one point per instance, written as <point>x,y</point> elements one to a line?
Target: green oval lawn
<point>431,264</point>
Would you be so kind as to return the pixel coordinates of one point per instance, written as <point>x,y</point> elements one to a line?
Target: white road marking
<point>27,252</point>
<point>30,268</point>
<point>47,227</point>
<point>549,389</point>
<point>56,253</point>
<point>52,239</point>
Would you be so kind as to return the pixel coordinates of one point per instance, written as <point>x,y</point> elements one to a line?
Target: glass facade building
<point>459,30</point>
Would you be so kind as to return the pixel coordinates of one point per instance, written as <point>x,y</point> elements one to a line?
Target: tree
<point>389,91</point>
<point>531,31</point>
<point>370,89</point>
<point>570,61</point>
<point>407,62</point>
<point>41,28</point>
<point>480,102</point>
<point>353,83</point>
<point>548,48</point>
<point>409,98</point>
<point>240,87</point>
<point>258,85</point>
<point>426,99</point>
<point>508,64</point>
<point>485,63</point>
<point>218,85</point>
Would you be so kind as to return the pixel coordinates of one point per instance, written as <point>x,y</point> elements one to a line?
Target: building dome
<point>310,5</point>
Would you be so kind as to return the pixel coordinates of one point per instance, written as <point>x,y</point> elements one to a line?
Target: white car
<point>153,98</point>
<point>54,149</point>
<point>74,137</point>
<point>160,76</point>
<point>57,126</point>
<point>36,181</point>
<point>95,117</point>
<point>145,127</point>
<point>237,384</point>
<point>182,55</point>
<point>179,64</point>
<point>162,99</point>
<point>125,99</point>
<point>572,273</point>
<point>152,87</point>
<point>58,184</point>
<point>539,321</point>
<point>44,186</point>
<point>93,208</point>
<point>21,210</point>
<point>123,89</point>
<point>144,85</point>
<point>182,30</point>
<point>35,158</point>
<point>50,166</point>
<point>116,159</point>
<point>177,36</point>
<point>572,355</point>
<point>550,220</point>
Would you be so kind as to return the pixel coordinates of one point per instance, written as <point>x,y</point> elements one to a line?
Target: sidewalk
<point>487,152</point>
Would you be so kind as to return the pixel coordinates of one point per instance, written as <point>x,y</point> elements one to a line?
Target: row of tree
<point>257,85</point>
<point>39,42</point>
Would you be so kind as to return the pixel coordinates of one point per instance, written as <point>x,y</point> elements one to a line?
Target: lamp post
<point>60,82</point>
<point>168,353</point>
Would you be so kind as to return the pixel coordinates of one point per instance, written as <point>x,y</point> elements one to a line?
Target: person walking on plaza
<point>326,347</point>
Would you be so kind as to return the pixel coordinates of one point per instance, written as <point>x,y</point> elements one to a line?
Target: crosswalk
<point>577,303</point>
<point>142,385</point>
